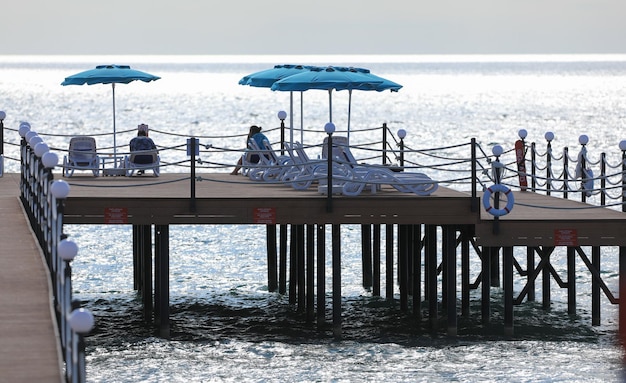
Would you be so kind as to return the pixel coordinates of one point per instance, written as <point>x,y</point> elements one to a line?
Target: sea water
<point>226,326</point>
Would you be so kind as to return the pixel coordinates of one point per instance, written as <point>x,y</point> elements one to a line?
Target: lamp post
<point>583,140</point>
<point>281,116</point>
<point>622,252</point>
<point>622,147</point>
<point>66,251</point>
<point>81,321</point>
<point>549,136</point>
<point>401,135</point>
<point>23,130</point>
<point>497,176</point>
<point>520,158</point>
<point>2,117</point>
<point>330,129</point>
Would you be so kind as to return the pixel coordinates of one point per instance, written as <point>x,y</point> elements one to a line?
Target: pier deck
<point>225,199</point>
<point>29,344</point>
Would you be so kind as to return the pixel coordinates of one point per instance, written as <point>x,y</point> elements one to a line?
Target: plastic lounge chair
<point>271,166</point>
<point>374,176</point>
<point>301,166</point>
<point>81,156</point>
<point>416,183</point>
<point>304,172</point>
<point>142,160</point>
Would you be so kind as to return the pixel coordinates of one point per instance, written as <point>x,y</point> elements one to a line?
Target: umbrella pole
<point>330,105</point>
<point>349,112</point>
<point>291,119</point>
<point>301,118</point>
<point>114,134</point>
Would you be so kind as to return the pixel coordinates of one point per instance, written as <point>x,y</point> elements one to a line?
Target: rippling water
<point>225,324</point>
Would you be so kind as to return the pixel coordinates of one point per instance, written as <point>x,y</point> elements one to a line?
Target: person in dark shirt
<point>142,142</point>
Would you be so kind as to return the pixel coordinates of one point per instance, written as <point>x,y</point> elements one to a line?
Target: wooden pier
<point>538,222</point>
<point>29,342</point>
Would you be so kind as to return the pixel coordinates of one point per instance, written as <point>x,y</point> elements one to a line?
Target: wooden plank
<point>29,344</point>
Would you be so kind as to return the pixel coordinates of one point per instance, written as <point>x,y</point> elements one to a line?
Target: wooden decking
<point>536,220</point>
<point>225,199</point>
<point>29,344</point>
<point>540,220</point>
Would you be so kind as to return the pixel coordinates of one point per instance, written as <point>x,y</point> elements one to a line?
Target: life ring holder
<point>498,188</point>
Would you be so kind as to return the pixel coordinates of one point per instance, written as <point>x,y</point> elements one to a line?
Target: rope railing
<point>592,178</point>
<point>43,199</point>
<point>549,171</point>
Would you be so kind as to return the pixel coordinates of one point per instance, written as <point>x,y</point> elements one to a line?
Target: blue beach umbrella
<point>337,78</point>
<point>385,84</point>
<point>266,78</point>
<point>109,74</point>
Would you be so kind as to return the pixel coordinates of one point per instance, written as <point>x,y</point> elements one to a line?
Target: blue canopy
<point>109,74</point>
<point>266,78</point>
<point>338,78</point>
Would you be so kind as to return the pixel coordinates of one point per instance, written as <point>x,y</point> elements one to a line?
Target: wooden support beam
<point>486,285</point>
<point>389,262</point>
<point>282,266</point>
<point>530,269</point>
<point>416,261</point>
<point>450,273</point>
<point>272,259</point>
<point>310,272</point>
<point>321,275</point>
<point>507,268</point>
<point>465,272</point>
<point>162,284</point>
<point>431,274</point>
<point>301,268</point>
<point>136,259</point>
<point>571,281</point>
<point>545,282</point>
<point>293,264</point>
<point>403,266</point>
<point>366,255</point>
<point>336,259</point>
<point>376,261</point>
<point>595,287</point>
<point>145,245</point>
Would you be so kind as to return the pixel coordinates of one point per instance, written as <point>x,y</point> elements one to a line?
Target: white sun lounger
<point>81,156</point>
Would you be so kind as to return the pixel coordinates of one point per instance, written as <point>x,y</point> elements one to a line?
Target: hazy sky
<point>312,27</point>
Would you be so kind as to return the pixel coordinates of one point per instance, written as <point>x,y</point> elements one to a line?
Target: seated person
<point>142,142</point>
<point>255,134</point>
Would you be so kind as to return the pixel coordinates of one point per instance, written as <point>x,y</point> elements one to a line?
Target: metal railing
<point>592,178</point>
<point>43,199</point>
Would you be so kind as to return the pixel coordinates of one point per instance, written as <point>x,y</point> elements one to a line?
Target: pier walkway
<point>29,344</point>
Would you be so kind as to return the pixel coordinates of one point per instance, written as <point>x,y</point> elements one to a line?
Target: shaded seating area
<point>81,155</point>
<point>142,160</point>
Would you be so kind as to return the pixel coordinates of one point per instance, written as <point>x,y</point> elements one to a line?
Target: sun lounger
<point>271,166</point>
<point>141,161</point>
<point>81,156</point>
<point>373,176</point>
